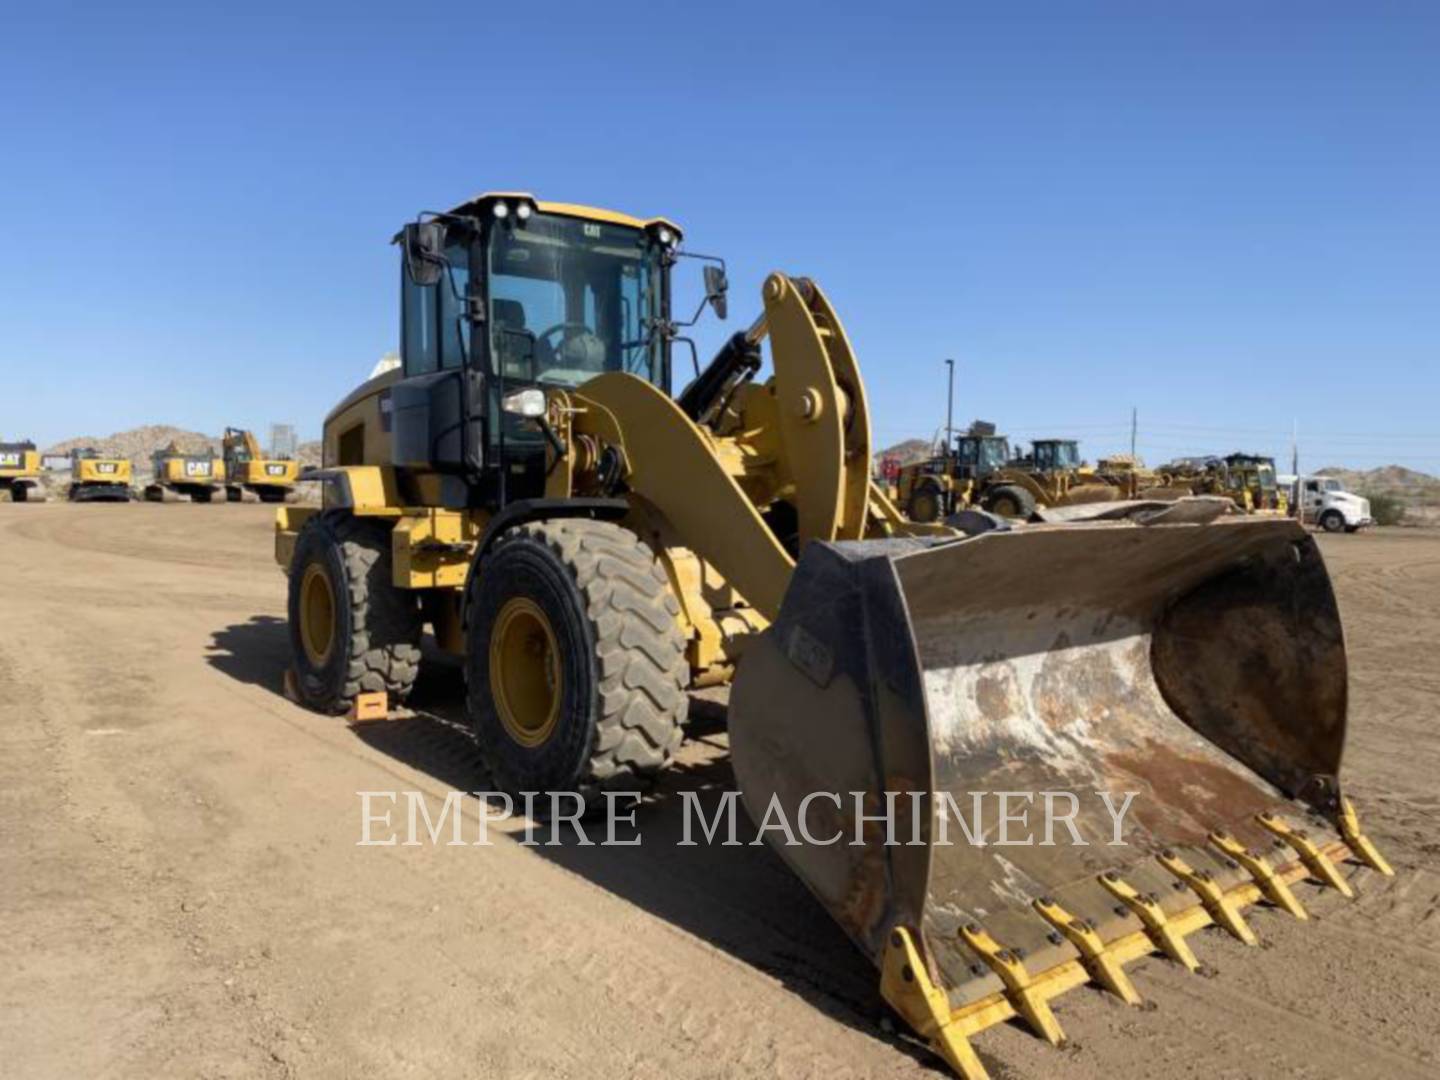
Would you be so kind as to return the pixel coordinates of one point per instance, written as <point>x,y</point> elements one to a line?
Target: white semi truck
<point>1323,501</point>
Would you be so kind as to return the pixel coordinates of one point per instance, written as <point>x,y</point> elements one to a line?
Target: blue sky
<point>1223,214</point>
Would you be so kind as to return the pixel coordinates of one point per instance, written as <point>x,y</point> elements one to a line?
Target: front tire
<point>925,505</point>
<point>575,664</point>
<point>1011,501</point>
<point>351,630</point>
<point>1332,521</point>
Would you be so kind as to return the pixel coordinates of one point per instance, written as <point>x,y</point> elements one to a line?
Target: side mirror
<point>424,243</point>
<point>716,286</point>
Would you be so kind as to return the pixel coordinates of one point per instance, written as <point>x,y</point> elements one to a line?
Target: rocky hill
<point>138,444</point>
<point>1390,480</point>
<point>907,451</point>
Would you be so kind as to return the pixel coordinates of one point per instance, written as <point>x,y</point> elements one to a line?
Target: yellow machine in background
<point>527,488</point>
<point>1134,480</point>
<point>20,473</point>
<point>96,477</point>
<point>182,477</point>
<point>250,476</point>
<point>1051,474</point>
<point>1248,480</point>
<point>980,470</point>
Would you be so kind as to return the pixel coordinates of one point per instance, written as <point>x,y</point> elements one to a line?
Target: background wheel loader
<point>1249,480</point>
<point>526,486</point>
<point>20,473</point>
<point>95,477</point>
<point>1051,474</point>
<point>938,487</point>
<point>1130,476</point>
<point>251,475</point>
<point>182,477</point>
<point>980,470</point>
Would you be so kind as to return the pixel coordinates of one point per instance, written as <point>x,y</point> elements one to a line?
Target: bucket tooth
<point>1029,1000</point>
<point>1104,967</point>
<point>1146,907</point>
<point>1357,841</point>
<point>905,983</point>
<point>1314,860</point>
<point>1270,884</point>
<point>1221,909</point>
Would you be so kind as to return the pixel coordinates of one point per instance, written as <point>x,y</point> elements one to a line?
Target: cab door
<point>438,408</point>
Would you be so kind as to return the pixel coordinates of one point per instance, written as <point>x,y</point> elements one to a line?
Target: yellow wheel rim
<point>525,679</point>
<point>317,614</point>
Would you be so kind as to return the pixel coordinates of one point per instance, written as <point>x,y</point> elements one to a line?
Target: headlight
<point>500,210</point>
<point>528,403</point>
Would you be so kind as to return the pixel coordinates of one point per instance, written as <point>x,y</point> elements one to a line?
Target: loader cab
<point>505,294</point>
<point>1055,455</point>
<point>977,456</point>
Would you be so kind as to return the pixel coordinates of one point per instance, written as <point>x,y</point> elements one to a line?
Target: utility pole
<point>950,408</point>
<point>1134,423</point>
<point>1295,446</point>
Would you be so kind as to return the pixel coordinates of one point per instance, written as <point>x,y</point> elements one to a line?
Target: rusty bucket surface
<point>1200,667</point>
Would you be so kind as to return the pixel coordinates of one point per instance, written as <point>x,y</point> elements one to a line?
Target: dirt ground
<point>182,893</point>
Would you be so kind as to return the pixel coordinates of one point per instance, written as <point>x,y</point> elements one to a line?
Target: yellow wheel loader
<point>96,477</point>
<point>931,490</point>
<point>182,477</point>
<point>1051,474</point>
<point>1135,480</point>
<point>1248,480</point>
<point>251,476</point>
<point>20,473</point>
<point>526,486</point>
<point>979,470</point>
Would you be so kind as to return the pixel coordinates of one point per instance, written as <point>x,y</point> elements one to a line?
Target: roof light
<point>500,209</point>
<point>523,211</point>
<point>665,236</point>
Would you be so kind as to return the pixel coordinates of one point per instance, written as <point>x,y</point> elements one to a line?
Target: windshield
<point>1334,485</point>
<point>570,299</point>
<point>1057,455</point>
<point>986,454</point>
<point>1266,476</point>
<point>994,453</point>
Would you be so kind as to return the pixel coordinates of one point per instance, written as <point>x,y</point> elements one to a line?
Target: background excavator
<point>182,477</point>
<point>20,473</point>
<point>97,477</point>
<point>251,475</point>
<point>526,486</point>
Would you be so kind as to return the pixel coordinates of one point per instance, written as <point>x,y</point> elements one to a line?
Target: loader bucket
<point>1199,666</point>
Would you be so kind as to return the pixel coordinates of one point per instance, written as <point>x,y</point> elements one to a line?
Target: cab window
<point>419,349</point>
<point>434,333</point>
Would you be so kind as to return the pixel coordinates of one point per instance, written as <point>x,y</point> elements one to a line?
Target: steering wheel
<point>566,330</point>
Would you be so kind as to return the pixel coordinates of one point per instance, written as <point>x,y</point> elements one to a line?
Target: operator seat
<point>516,352</point>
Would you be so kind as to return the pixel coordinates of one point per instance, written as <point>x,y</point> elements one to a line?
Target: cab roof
<point>473,207</point>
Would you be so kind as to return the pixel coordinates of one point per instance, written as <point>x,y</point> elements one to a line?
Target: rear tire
<point>575,664</point>
<point>1011,501</point>
<point>1332,521</point>
<point>351,630</point>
